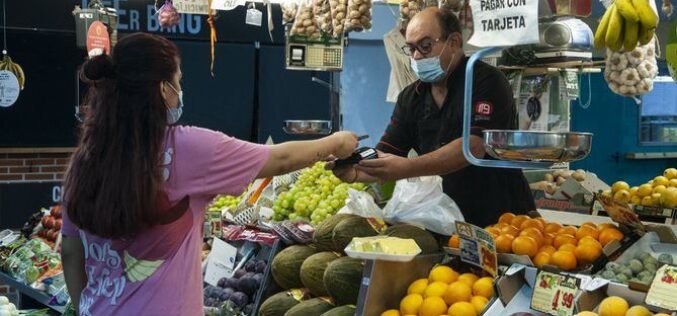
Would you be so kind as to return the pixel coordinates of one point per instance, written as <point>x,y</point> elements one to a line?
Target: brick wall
<point>33,167</point>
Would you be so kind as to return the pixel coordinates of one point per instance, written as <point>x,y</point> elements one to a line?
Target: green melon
<point>345,310</point>
<point>315,306</point>
<point>325,231</point>
<point>342,278</point>
<point>278,304</point>
<point>425,240</point>
<point>286,267</point>
<point>312,272</point>
<point>349,228</point>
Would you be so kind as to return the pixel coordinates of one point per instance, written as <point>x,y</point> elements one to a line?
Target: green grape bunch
<point>222,201</point>
<point>316,195</point>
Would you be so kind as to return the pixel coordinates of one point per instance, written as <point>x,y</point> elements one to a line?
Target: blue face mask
<point>174,114</point>
<point>429,69</point>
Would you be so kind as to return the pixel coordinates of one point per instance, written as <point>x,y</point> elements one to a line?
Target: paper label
<point>477,247</point>
<point>504,23</point>
<point>221,262</point>
<point>192,6</point>
<point>554,294</point>
<point>663,288</point>
<point>254,17</point>
<point>9,88</point>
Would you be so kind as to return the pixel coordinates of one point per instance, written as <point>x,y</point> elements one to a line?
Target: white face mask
<point>174,114</point>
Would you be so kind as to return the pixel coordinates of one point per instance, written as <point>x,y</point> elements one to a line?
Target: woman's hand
<point>346,143</point>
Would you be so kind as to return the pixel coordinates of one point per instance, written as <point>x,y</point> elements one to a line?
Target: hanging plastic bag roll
<point>422,202</point>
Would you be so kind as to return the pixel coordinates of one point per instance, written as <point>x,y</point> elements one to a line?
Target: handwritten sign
<point>554,294</point>
<point>477,247</point>
<point>504,22</point>
<point>662,291</point>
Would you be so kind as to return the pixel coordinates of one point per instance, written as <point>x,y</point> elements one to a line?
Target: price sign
<point>477,247</point>
<point>663,288</point>
<point>554,294</point>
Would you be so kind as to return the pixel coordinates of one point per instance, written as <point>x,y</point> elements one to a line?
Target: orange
<point>562,239</point>
<point>541,259</point>
<point>548,238</point>
<point>391,312</point>
<point>510,230</point>
<point>568,230</point>
<point>504,243</point>
<point>453,241</point>
<point>564,260</point>
<point>532,222</point>
<point>479,302</point>
<point>609,234</point>
<point>540,219</point>
<point>484,287</point>
<point>442,273</point>
<point>591,241</point>
<point>587,253</point>
<point>547,249</point>
<point>501,225</point>
<point>602,226</point>
<point>432,306</point>
<point>410,304</point>
<point>518,220</point>
<point>493,231</point>
<point>585,231</point>
<point>458,291</point>
<point>524,245</point>
<point>506,218</point>
<point>462,309</point>
<point>553,227</point>
<point>567,247</point>
<point>591,224</point>
<point>613,306</point>
<point>468,278</point>
<point>533,233</point>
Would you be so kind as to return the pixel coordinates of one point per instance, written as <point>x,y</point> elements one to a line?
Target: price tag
<point>254,17</point>
<point>554,294</point>
<point>9,88</point>
<point>663,288</point>
<point>477,247</point>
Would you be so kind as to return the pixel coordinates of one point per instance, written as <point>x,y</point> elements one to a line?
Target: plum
<point>258,277</point>
<point>222,282</point>
<point>250,266</point>
<point>239,298</point>
<point>248,309</point>
<point>225,294</point>
<point>231,283</point>
<point>248,286</point>
<point>209,291</point>
<point>261,266</point>
<point>636,266</point>
<point>211,302</point>
<point>248,275</point>
<point>239,273</point>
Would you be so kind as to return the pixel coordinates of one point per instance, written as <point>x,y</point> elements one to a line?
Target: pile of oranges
<point>566,247</point>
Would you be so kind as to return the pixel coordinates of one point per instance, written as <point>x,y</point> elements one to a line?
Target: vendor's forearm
<point>445,160</point>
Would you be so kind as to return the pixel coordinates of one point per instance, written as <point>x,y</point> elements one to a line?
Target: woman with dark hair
<point>138,184</point>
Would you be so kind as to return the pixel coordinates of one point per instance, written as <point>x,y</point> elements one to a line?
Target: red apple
<point>50,222</point>
<point>58,223</point>
<point>57,211</point>
<point>55,235</point>
<point>44,220</point>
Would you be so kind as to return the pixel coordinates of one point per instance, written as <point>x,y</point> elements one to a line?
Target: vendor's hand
<point>346,143</point>
<point>350,174</point>
<point>386,167</point>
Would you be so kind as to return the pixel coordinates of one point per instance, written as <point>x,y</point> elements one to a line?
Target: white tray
<point>378,255</point>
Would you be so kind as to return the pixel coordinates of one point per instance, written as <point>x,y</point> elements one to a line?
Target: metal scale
<point>302,53</point>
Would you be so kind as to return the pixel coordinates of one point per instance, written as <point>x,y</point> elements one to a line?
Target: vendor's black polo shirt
<point>481,193</point>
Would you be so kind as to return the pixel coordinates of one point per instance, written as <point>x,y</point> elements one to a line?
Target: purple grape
<point>222,282</point>
<point>250,266</point>
<point>239,298</point>
<point>239,273</point>
<point>261,266</point>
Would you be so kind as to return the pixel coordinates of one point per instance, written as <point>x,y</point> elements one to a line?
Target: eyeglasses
<point>425,46</point>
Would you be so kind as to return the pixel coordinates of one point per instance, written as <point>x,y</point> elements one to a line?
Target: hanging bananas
<point>624,24</point>
<point>7,64</point>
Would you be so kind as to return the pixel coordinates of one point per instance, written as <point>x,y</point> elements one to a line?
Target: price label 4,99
<point>554,294</point>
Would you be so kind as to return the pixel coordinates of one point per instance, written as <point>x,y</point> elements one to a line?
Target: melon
<point>351,227</point>
<point>278,304</point>
<point>345,310</point>
<point>324,232</point>
<point>312,272</point>
<point>424,239</point>
<point>315,306</point>
<point>286,267</point>
<point>342,278</point>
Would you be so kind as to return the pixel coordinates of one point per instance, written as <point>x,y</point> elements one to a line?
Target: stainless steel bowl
<point>310,127</point>
<point>537,146</point>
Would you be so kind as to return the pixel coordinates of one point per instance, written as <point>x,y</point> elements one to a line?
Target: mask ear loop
<point>586,105</point>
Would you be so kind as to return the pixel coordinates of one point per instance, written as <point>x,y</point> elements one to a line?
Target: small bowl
<point>537,146</point>
<point>310,127</point>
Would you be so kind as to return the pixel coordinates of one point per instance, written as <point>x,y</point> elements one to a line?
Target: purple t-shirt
<point>159,271</point>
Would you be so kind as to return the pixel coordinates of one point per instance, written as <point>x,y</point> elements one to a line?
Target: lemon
<point>443,274</point>
<point>619,185</point>
<point>435,289</point>
<point>410,304</point>
<point>468,278</point>
<point>673,183</point>
<point>647,201</point>
<point>458,291</point>
<point>633,191</point>
<point>670,173</point>
<point>659,189</point>
<point>622,196</point>
<point>391,312</point>
<point>432,306</point>
<point>669,198</point>
<point>661,180</point>
<point>484,287</point>
<point>645,190</point>
<point>479,302</point>
<point>586,314</point>
<point>607,193</point>
<point>462,309</point>
<point>656,199</point>
<point>613,306</point>
<point>417,287</point>
<point>636,200</point>
<point>638,310</point>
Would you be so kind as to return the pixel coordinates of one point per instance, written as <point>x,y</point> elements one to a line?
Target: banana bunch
<point>625,23</point>
<point>9,65</point>
<point>139,270</point>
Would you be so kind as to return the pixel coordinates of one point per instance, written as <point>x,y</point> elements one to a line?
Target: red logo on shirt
<point>484,108</point>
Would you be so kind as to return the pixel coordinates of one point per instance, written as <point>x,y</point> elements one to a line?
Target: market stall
<point>307,243</point>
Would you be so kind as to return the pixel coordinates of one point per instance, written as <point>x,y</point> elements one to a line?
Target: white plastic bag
<point>421,202</point>
<point>361,203</point>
